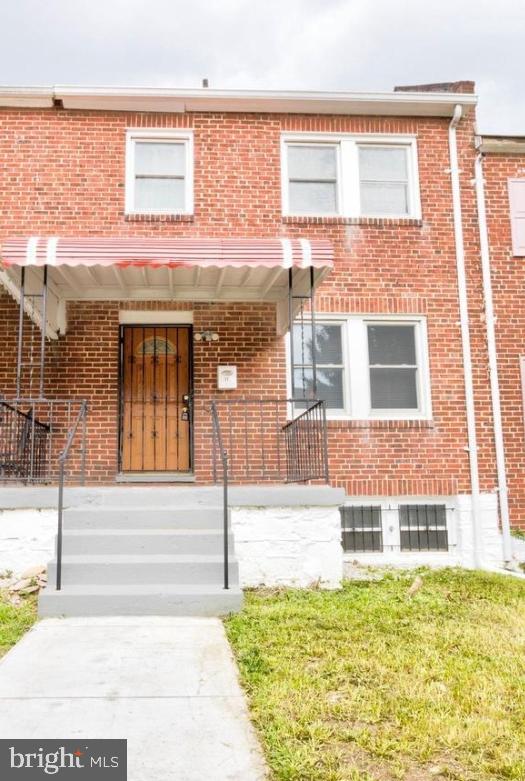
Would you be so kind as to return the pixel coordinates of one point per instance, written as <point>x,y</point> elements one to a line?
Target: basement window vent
<point>362,529</point>
<point>423,527</point>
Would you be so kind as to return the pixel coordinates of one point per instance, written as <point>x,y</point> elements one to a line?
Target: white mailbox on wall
<point>226,377</point>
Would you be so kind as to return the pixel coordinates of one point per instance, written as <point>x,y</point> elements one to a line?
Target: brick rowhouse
<point>504,160</point>
<point>62,173</point>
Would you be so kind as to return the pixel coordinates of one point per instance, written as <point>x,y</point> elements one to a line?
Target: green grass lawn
<point>370,683</point>
<point>15,620</point>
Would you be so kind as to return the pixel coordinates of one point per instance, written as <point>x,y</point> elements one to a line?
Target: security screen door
<point>155,387</point>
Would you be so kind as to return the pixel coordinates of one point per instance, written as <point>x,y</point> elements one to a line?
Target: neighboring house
<point>504,183</point>
<point>178,233</point>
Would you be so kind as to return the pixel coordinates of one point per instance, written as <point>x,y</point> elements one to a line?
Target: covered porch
<point>125,348</point>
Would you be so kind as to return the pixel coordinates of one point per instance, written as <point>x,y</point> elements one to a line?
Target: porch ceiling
<point>143,283</point>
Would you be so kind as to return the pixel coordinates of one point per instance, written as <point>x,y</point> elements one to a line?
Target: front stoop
<point>142,561</point>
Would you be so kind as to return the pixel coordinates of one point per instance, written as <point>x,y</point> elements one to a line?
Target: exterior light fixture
<point>206,336</point>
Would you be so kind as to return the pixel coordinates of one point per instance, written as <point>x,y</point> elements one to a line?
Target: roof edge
<point>164,99</point>
<point>502,144</point>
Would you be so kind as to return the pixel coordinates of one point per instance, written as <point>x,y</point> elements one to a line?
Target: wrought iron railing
<point>272,440</point>
<point>255,439</point>
<point>32,435</point>
<point>24,444</point>
<point>306,445</point>
<point>79,423</point>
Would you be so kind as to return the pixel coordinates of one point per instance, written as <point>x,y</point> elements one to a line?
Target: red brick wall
<point>62,172</point>
<point>508,281</point>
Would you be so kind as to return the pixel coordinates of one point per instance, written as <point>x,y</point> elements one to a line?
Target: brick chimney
<point>443,86</point>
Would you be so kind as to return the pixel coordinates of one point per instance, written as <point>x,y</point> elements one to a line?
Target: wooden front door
<point>156,383</point>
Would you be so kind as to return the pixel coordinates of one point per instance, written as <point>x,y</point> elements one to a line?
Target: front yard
<point>372,683</point>
<point>15,619</point>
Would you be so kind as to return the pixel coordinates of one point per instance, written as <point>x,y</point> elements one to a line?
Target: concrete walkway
<point>168,685</point>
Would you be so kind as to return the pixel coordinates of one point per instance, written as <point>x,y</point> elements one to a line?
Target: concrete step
<point>143,541</point>
<point>125,570</point>
<point>153,599</point>
<point>143,518</point>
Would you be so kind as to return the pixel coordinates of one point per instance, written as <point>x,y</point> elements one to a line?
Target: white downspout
<point>465,335</point>
<point>493,362</point>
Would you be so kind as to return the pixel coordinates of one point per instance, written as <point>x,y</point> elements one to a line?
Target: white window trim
<point>391,526</point>
<point>356,386</point>
<point>158,134</point>
<point>348,183</point>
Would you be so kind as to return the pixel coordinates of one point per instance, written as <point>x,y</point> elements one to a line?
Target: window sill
<point>377,222</point>
<point>414,423</point>
<point>159,217</point>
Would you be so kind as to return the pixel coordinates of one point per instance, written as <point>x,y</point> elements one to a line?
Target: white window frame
<point>356,383</point>
<point>391,526</point>
<point>166,136</point>
<point>348,179</point>
<point>335,414</point>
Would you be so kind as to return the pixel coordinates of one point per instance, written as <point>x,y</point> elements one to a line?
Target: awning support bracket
<point>27,362</point>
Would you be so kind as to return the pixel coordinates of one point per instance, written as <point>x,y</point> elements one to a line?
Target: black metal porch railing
<point>306,442</point>
<point>32,435</point>
<point>24,444</point>
<point>272,440</point>
<point>255,439</point>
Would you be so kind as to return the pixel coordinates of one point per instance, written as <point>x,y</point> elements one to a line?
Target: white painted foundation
<point>291,545</point>
<point>288,546</point>
<point>27,537</point>
<point>460,533</point>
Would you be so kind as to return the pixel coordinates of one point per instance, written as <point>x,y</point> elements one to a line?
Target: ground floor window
<point>392,526</point>
<point>366,367</point>
<point>361,529</point>
<point>423,527</point>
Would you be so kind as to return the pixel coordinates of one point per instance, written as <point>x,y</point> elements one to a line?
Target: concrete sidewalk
<point>168,685</point>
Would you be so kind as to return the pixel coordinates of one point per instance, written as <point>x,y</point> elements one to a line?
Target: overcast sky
<point>355,45</point>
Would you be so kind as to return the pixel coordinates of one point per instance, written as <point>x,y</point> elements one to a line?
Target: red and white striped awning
<point>192,252</point>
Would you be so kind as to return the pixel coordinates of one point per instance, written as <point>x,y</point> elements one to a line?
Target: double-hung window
<point>312,173</point>
<point>383,180</point>
<point>159,173</point>
<point>393,366</point>
<point>366,367</point>
<point>329,361</point>
<point>362,175</point>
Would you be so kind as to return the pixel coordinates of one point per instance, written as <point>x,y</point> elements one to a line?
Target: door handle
<point>185,415</point>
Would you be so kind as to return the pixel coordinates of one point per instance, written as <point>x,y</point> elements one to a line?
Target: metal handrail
<point>224,459</point>
<point>62,459</point>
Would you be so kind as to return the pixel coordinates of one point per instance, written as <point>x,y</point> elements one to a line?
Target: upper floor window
<point>350,176</point>
<point>159,172</point>
<point>312,173</point>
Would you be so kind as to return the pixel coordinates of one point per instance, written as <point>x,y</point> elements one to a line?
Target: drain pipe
<point>465,335</point>
<point>493,363</point>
